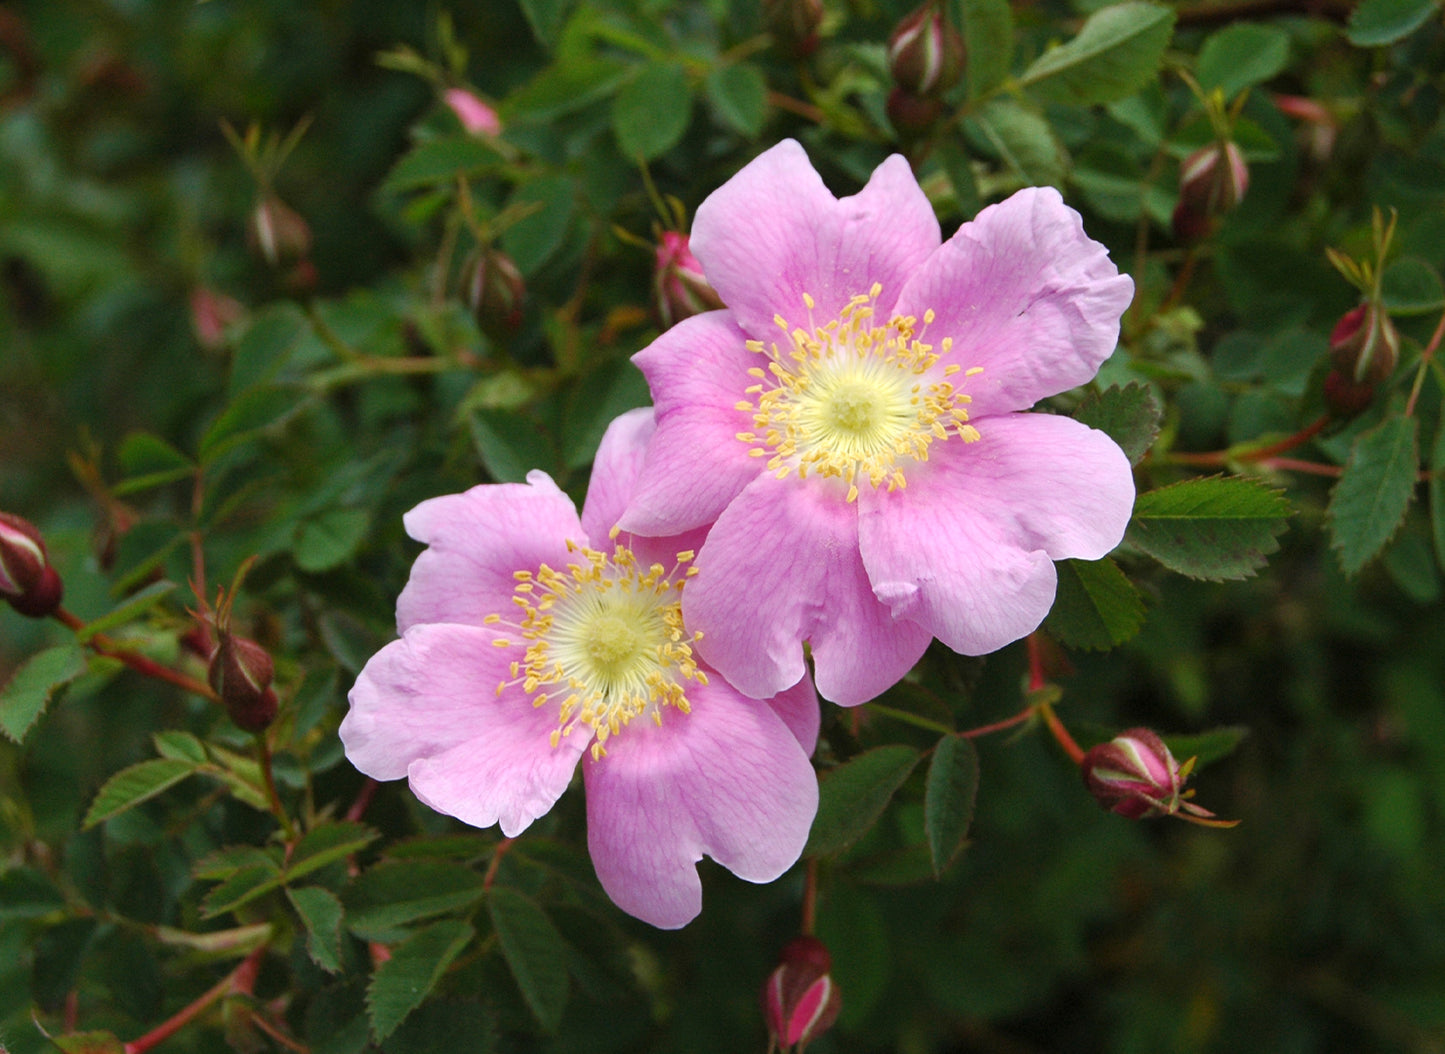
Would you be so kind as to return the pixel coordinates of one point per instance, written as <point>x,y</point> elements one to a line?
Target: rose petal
<point>728,780</point>
<point>475,541</point>
<point>799,710</point>
<point>426,706</point>
<point>694,464</point>
<point>1026,295</point>
<point>774,232</point>
<point>781,566</point>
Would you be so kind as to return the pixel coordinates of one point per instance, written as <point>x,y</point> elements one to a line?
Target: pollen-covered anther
<point>853,399</point>
<point>609,633</point>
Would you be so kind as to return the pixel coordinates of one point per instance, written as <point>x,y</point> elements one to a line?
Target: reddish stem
<point>241,980</point>
<point>1425,358</point>
<point>497,854</point>
<point>1061,734</point>
<point>1221,457</point>
<point>363,800</point>
<point>810,897</point>
<point>1036,663</point>
<point>263,751</point>
<point>103,645</point>
<point>998,726</point>
<point>797,106</point>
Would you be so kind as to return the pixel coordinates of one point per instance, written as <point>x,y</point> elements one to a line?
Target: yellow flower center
<point>853,399</point>
<point>606,636</point>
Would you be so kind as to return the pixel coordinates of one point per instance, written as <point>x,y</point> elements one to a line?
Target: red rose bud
<point>679,288</point>
<point>1135,775</point>
<point>1212,180</point>
<point>1345,396</point>
<point>800,1000</point>
<point>27,580</point>
<point>794,24</point>
<point>212,313</point>
<point>912,115</point>
<point>476,116</point>
<point>278,232</point>
<point>240,673</point>
<point>926,53</point>
<point>493,288</point>
<point>1365,344</point>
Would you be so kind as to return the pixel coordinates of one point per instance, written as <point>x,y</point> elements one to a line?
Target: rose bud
<point>1365,345</point>
<point>212,313</point>
<point>1135,775</point>
<point>794,24</point>
<point>679,288</point>
<point>27,580</point>
<point>240,673</point>
<point>912,115</point>
<point>494,290</point>
<point>476,116</point>
<point>1212,180</point>
<point>278,231</point>
<point>800,1000</point>
<point>1345,396</point>
<point>926,53</point>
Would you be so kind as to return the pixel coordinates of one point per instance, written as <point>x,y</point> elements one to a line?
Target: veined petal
<point>615,471</point>
<point>782,566</point>
<point>1025,294</point>
<point>426,706</point>
<point>694,463</point>
<point>798,707</point>
<point>727,780</point>
<point>774,232</point>
<point>475,541</point>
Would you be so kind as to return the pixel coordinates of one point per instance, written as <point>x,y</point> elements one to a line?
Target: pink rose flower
<point>852,422</point>
<point>532,640</point>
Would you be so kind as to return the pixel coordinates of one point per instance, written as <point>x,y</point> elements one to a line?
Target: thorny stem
<point>240,981</point>
<point>497,854</point>
<point>103,645</point>
<point>1425,358</point>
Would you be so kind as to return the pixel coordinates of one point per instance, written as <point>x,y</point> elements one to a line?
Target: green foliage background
<point>338,400</point>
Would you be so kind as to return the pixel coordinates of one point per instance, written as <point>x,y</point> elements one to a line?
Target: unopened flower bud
<point>27,580</point>
<point>926,53</point>
<point>912,115</point>
<point>1135,775</point>
<point>476,116</point>
<point>794,24</point>
<point>278,231</point>
<point>1365,344</point>
<point>1345,396</point>
<point>240,673</point>
<point>494,290</point>
<point>1212,180</point>
<point>679,288</point>
<point>212,313</point>
<point>800,999</point>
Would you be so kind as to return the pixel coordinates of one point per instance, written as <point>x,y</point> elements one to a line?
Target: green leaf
<point>1096,607</point>
<point>327,843</point>
<point>1117,52</point>
<point>1437,494</point>
<point>1377,22</point>
<point>1022,139</point>
<point>1240,56</point>
<point>535,953</point>
<point>510,445</point>
<point>739,94</point>
<point>320,912</point>
<point>1214,528</point>
<point>255,410</point>
<point>598,398</point>
<point>131,786</point>
<point>149,461</point>
<point>180,745</point>
<point>1209,747</point>
<point>32,686</point>
<point>988,33</point>
<point>129,609</point>
<point>265,348</point>
<point>442,161</point>
<point>26,893</point>
<point>226,861</point>
<point>546,17</point>
<point>244,885</point>
<point>652,111</point>
<point>958,167</point>
<point>329,540</point>
<point>1128,415</point>
<point>394,894</point>
<point>1410,286</point>
<point>949,791</point>
<point>402,983</point>
<point>88,1043</point>
<point>1369,502</point>
<point>852,796</point>
<point>537,236</point>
